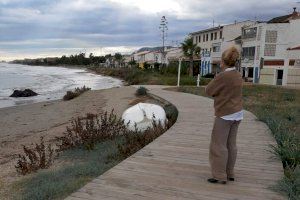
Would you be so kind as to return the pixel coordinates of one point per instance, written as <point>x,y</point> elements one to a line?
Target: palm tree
<point>119,58</point>
<point>190,50</point>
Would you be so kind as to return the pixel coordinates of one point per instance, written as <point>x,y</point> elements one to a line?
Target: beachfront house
<point>174,54</point>
<point>148,58</point>
<point>270,51</point>
<point>214,40</point>
<point>208,40</point>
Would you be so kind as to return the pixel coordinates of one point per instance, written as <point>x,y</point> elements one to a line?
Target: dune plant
<point>77,92</point>
<point>34,158</point>
<point>92,129</point>
<point>135,140</point>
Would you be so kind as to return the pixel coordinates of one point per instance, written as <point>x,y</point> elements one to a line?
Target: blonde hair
<point>230,56</point>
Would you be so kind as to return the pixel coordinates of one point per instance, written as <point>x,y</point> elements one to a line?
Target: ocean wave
<point>49,82</point>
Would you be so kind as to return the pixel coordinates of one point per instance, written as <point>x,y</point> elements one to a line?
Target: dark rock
<point>23,93</point>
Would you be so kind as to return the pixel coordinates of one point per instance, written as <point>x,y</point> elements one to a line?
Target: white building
<point>208,40</point>
<point>149,57</point>
<point>269,51</point>
<point>174,54</point>
<point>215,40</point>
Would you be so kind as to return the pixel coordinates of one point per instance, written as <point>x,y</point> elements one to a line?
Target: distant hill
<point>152,49</point>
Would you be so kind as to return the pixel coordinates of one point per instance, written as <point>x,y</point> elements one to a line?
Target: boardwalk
<point>175,166</point>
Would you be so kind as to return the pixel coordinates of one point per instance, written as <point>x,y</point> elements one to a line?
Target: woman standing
<point>226,89</point>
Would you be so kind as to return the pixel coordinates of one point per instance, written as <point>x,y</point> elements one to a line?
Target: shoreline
<point>105,83</point>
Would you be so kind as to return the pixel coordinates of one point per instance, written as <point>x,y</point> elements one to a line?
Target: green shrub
<point>171,112</point>
<point>73,94</point>
<point>205,81</point>
<point>141,91</point>
<point>290,184</point>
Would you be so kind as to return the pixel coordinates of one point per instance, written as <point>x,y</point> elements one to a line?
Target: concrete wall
<point>267,76</point>
<point>293,79</point>
<point>294,36</point>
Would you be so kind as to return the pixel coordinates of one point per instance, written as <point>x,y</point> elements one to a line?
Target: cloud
<point>35,27</point>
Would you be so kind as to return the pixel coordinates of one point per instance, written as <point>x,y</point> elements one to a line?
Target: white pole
<point>198,80</point>
<point>179,70</point>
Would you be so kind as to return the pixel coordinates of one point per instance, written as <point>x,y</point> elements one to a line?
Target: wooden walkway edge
<point>175,165</point>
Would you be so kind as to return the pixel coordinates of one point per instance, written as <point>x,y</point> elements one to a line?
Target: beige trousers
<point>223,150</point>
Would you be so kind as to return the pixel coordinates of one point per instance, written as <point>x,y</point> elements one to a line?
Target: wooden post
<point>179,70</point>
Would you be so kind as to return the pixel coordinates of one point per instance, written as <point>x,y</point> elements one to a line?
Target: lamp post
<point>179,70</point>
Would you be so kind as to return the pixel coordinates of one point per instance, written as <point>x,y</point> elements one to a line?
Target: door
<point>279,77</point>
<point>256,74</point>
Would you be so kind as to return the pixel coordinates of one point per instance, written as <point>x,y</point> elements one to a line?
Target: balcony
<point>249,33</point>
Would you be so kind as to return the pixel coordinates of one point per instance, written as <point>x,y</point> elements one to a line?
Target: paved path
<point>175,165</point>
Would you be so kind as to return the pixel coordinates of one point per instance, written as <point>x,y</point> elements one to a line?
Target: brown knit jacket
<point>226,89</point>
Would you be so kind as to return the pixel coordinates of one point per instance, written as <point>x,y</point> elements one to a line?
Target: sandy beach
<point>23,125</point>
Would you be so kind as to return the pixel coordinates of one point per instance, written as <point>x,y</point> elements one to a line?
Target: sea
<point>51,83</point>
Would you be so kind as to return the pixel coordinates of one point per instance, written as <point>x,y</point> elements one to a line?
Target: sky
<point>45,28</point>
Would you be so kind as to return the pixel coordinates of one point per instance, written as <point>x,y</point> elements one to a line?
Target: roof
<point>285,18</point>
<point>207,30</point>
<point>281,19</point>
<point>142,53</point>
<point>294,48</point>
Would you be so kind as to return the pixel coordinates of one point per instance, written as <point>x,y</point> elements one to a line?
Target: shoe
<point>213,180</point>
<point>231,179</point>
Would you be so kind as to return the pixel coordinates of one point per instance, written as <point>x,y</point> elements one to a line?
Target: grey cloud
<point>37,25</point>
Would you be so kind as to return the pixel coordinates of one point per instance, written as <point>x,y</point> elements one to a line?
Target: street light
<point>179,70</point>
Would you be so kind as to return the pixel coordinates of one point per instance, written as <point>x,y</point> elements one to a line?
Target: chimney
<point>295,14</point>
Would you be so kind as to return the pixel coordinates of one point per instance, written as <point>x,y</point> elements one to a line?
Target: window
<point>271,36</point>
<point>206,37</point>
<point>249,33</point>
<point>199,38</point>
<point>211,36</point>
<point>248,53</point>
<point>203,38</point>
<point>270,49</point>
<point>221,34</point>
<point>216,35</point>
<point>216,47</point>
<point>196,39</point>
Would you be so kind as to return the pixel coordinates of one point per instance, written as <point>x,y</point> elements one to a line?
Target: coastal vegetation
<point>279,108</point>
<point>164,76</point>
<point>77,92</point>
<point>114,65</point>
<point>75,60</point>
<point>90,146</point>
